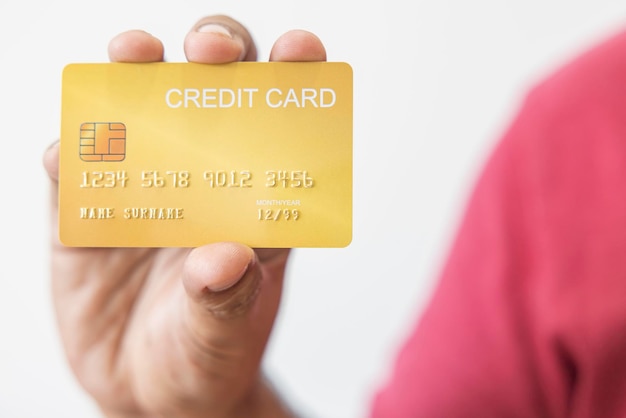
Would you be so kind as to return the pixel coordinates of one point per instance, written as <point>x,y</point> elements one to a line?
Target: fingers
<point>51,165</point>
<point>298,45</point>
<point>135,46</point>
<point>51,161</point>
<point>219,40</point>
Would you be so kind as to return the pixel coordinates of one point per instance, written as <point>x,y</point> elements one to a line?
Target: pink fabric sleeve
<point>529,316</point>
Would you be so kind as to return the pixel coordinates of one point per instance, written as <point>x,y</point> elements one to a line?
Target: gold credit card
<point>183,154</point>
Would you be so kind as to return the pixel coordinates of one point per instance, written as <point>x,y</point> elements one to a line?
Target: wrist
<point>110,414</point>
<point>263,402</point>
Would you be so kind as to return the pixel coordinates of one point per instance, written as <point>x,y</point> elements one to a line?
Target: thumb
<point>232,302</point>
<point>222,280</point>
<point>209,358</point>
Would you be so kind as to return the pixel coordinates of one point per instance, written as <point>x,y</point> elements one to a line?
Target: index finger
<point>135,46</point>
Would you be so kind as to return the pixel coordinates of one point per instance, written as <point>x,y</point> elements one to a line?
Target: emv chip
<point>102,141</point>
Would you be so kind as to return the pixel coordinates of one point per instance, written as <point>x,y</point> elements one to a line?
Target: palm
<point>123,319</point>
<point>104,299</point>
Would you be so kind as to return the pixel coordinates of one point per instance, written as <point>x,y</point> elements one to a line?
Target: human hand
<point>173,332</point>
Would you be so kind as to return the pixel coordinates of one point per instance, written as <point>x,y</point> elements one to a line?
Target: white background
<point>435,83</point>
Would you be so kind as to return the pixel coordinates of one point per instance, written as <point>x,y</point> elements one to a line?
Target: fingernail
<point>215,28</point>
<point>224,285</point>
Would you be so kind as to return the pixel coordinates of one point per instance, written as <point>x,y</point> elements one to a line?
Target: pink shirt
<point>529,317</point>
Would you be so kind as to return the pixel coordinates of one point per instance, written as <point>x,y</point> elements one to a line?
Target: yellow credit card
<point>183,154</point>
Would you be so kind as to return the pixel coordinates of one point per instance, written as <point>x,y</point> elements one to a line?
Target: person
<point>527,320</point>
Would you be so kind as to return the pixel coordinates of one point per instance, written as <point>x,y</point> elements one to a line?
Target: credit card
<point>185,154</point>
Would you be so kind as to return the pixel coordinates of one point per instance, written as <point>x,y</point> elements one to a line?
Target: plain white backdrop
<point>435,83</point>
